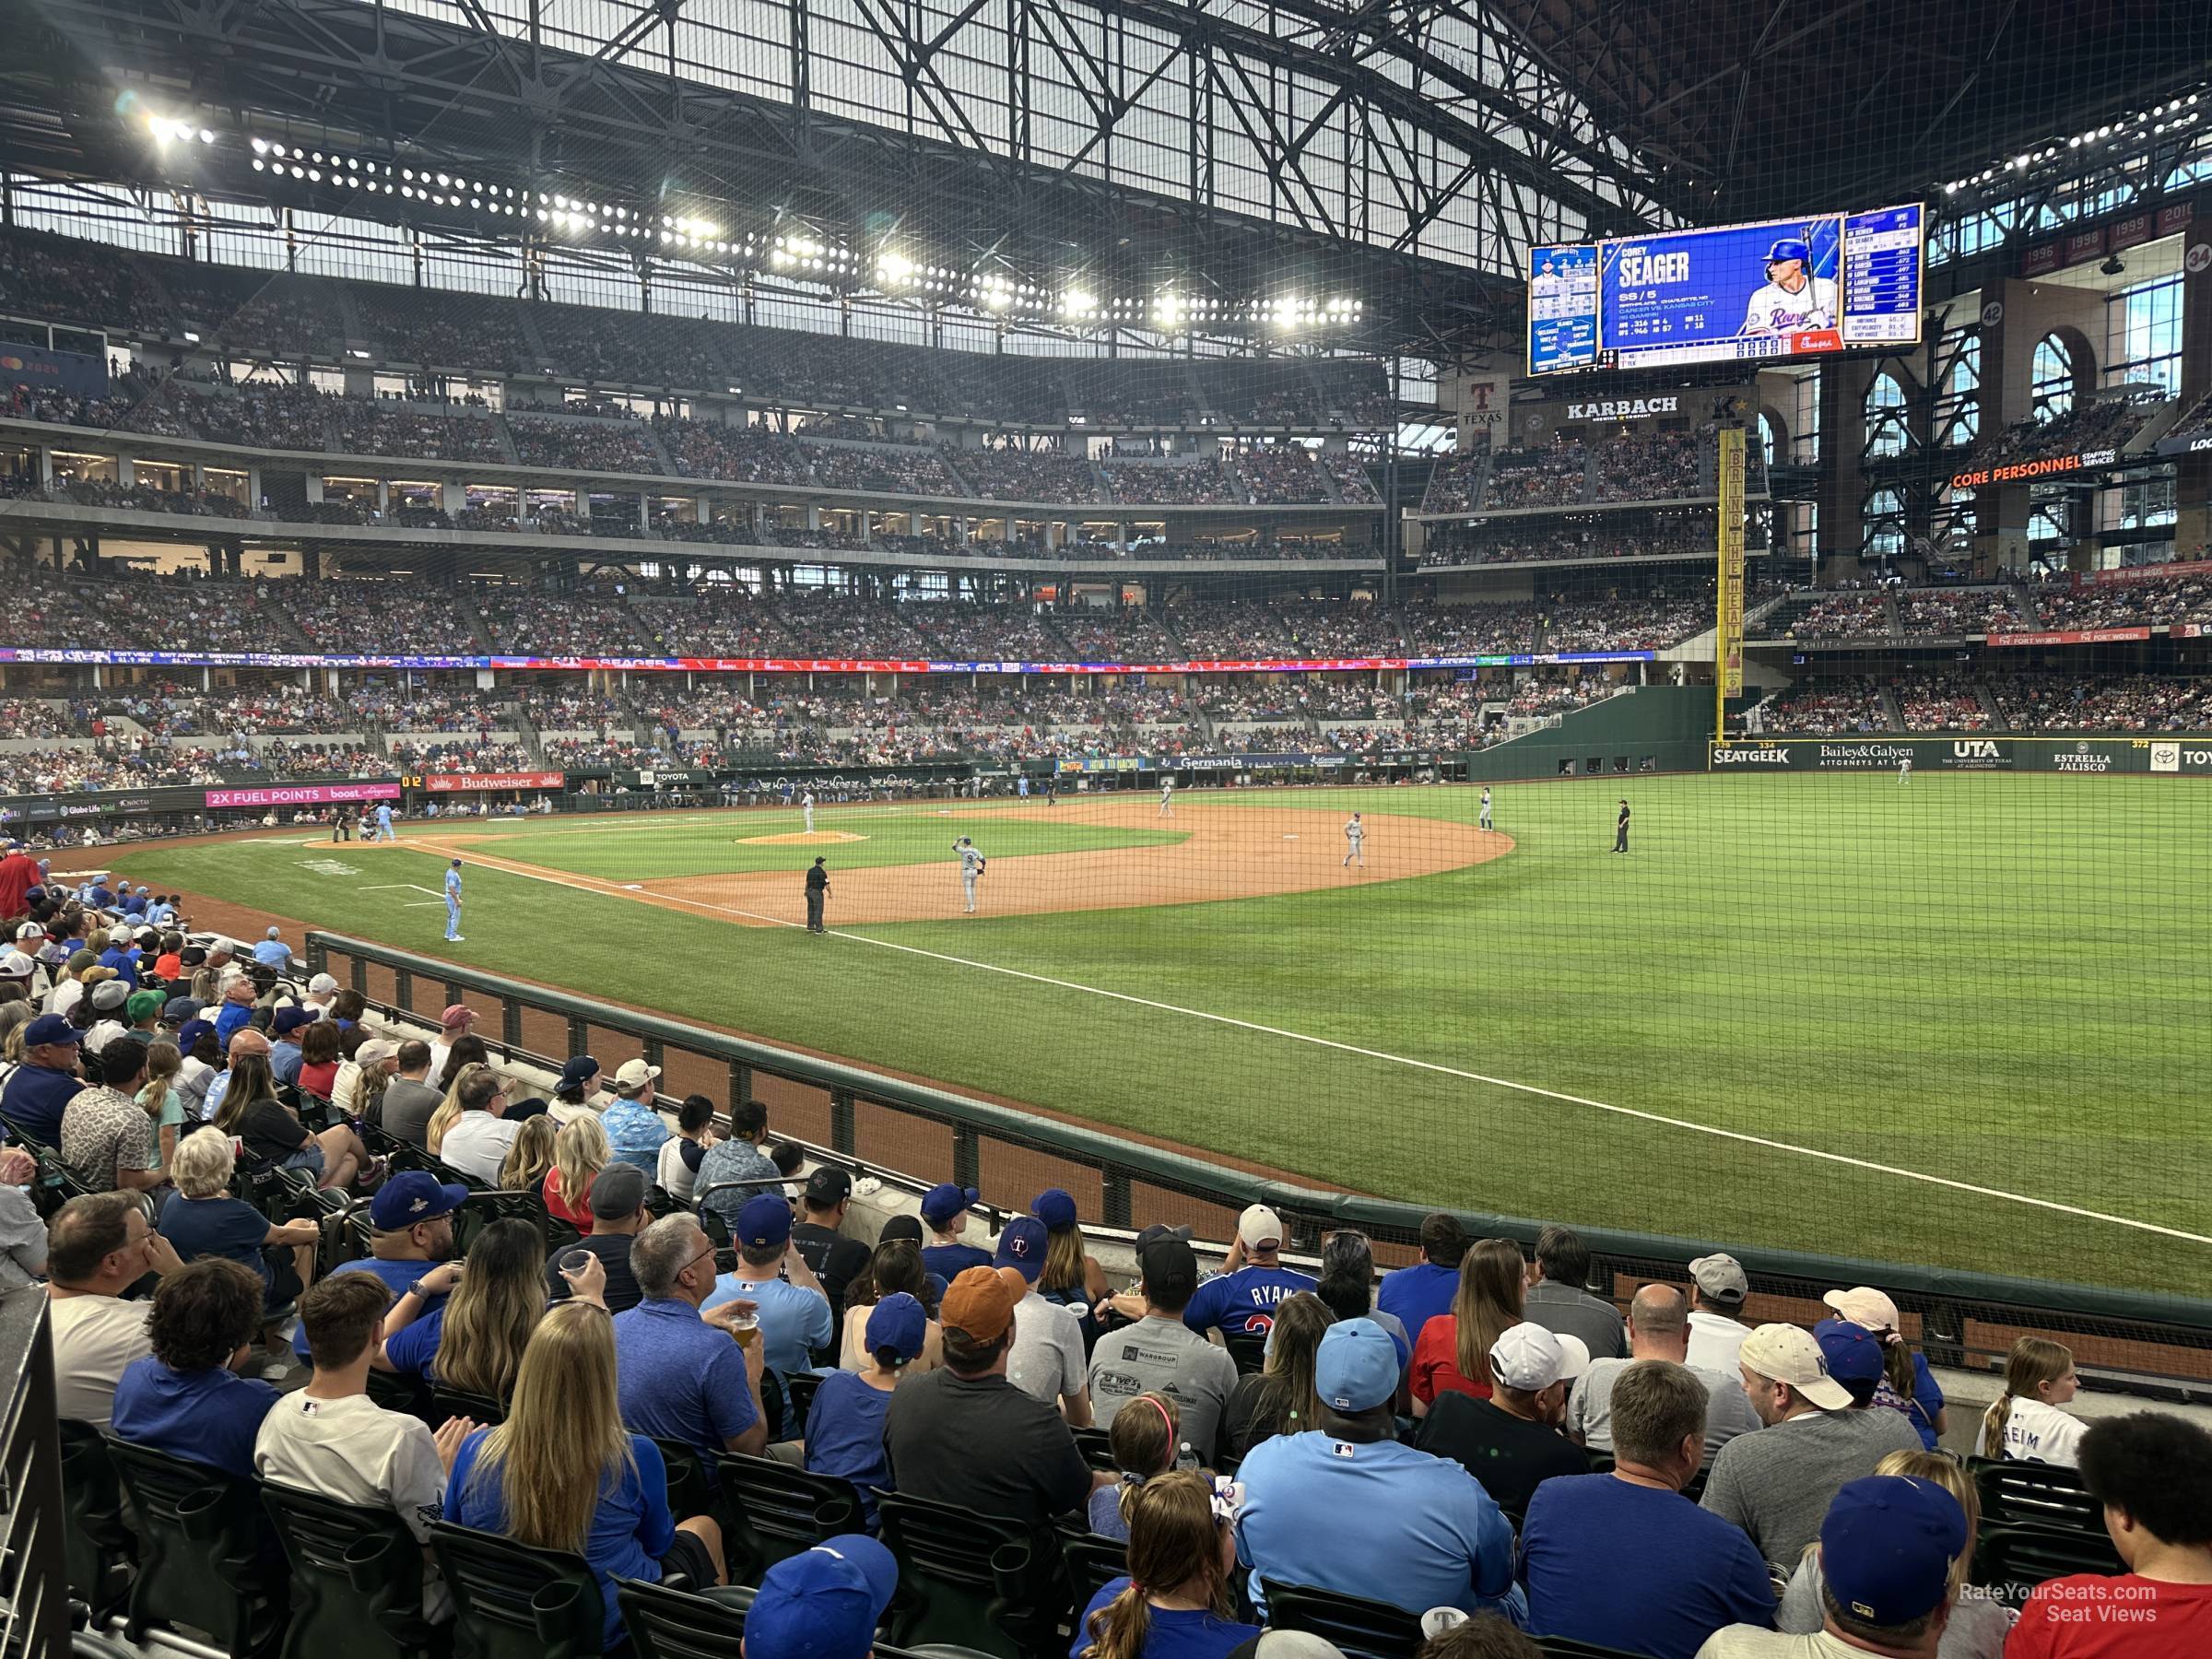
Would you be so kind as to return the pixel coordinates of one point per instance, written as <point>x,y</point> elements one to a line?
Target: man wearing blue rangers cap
<point>794,1310</point>
<point>944,1213</point>
<point>411,1231</point>
<point>1395,1525</point>
<point>822,1603</point>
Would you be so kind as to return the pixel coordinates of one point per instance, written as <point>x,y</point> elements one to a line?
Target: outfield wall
<point>2176,756</point>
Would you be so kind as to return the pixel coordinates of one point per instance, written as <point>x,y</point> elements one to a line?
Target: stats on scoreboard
<point>1735,293</point>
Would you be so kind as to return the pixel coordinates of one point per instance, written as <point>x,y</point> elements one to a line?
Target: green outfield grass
<point>1994,980</point>
<point>646,847</point>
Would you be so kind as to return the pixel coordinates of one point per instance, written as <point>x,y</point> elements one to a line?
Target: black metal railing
<point>2149,1340</point>
<point>34,1591</point>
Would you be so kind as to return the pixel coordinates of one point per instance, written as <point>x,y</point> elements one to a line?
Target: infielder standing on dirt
<point>1167,797</point>
<point>972,868</point>
<point>1355,841</point>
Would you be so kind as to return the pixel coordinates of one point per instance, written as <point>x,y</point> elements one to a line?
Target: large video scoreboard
<point>1736,293</point>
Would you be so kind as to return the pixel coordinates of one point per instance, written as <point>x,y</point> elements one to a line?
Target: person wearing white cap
<point>1346,1507</point>
<point>1252,1281</point>
<point>320,992</point>
<point>1512,1441</point>
<point>1776,1484</point>
<point>1718,1286</point>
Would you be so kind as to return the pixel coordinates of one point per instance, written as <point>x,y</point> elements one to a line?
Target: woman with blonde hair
<point>530,1157</point>
<point>1146,1437</point>
<point>1979,1621</point>
<point>580,1151</point>
<point>1071,1276</point>
<point>1453,1352</point>
<point>475,1341</point>
<point>1176,1598</point>
<point>2024,1422</point>
<point>1279,1399</point>
<point>563,1473</point>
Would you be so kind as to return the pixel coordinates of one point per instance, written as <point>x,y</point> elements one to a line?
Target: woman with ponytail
<point>1175,1604</point>
<point>2024,1422</point>
<point>1147,1438</point>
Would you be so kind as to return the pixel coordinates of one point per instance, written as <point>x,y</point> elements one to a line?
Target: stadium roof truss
<point>1405,151</point>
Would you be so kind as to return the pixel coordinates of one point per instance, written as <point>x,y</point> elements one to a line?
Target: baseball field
<point>1960,1021</point>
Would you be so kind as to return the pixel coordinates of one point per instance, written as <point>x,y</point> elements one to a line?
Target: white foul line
<point>1427,1065</point>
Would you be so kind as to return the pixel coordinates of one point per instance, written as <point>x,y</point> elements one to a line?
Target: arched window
<point>1958,408</point>
<point>1766,438</point>
<point>1885,415</point>
<point>1882,525</point>
<point>2051,379</point>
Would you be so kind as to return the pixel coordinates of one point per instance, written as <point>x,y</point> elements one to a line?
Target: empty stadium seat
<point>488,1412</point>
<point>2035,1494</point>
<point>664,1623</point>
<point>977,1580</point>
<point>97,1542</point>
<point>1097,1447</point>
<point>1093,1563</point>
<point>210,1559</point>
<point>1374,1629</point>
<point>2019,1555</point>
<point>776,1510</point>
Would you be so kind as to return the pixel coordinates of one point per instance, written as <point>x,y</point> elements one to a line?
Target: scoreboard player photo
<point>1793,299</point>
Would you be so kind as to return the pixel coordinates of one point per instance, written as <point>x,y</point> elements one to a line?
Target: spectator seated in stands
<point>1345,1506</point>
<point>1889,1550</point>
<point>964,1435</point>
<point>1980,1622</point>
<point>563,1472</point>
<point>470,1131</point>
<point>1451,1354</point>
<point>1658,1328</point>
<point>474,1338</point>
<point>2152,1472</point>
<point>945,1211</point>
<point>1718,1286</point>
<point>894,1268</point>
<point>835,1259</point>
<point>332,1440</point>
<point>685,1376</point>
<point>1512,1441</point>
<point>1280,1397</point>
<point>1419,1293</point>
<point>1907,1385</point>
<point>844,1432</point>
<point>1252,1281</point>
<point>186,1399</point>
<point>1557,1300</point>
<point>1776,1487</point>
<point>823,1603</point>
<point>1178,1597</point>
<point>410,1231</point>
<point>2025,1422</point>
<point>108,1141</point>
<point>739,1158</point>
<point>99,1245</point>
<point>1047,1359</point>
<point>203,1219</point>
<point>272,1132</point>
<point>635,1130</point>
<point>618,1216</point>
<point>1145,1441</point>
<point>795,1321</point>
<point>1623,1559</point>
<point>580,1153</point>
<point>39,1091</point>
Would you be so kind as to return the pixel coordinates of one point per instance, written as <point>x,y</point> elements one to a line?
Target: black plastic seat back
<point>798,1400</point>
<point>98,1544</point>
<point>2027,1555</point>
<point>682,1624</point>
<point>209,1559</point>
<point>1248,1348</point>
<point>1359,1626</point>
<point>1093,1563</point>
<point>357,1578</point>
<point>777,1510</point>
<point>974,1581</point>
<point>515,1602</point>
<point>1097,1446</point>
<point>487,1412</point>
<point>690,1490</point>
<point>2034,1494</point>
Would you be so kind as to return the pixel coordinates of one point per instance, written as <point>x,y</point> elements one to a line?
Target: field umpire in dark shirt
<point>817,889</point>
<point>1620,829</point>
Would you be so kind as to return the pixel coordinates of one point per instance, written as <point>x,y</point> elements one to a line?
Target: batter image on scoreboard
<point>1794,299</point>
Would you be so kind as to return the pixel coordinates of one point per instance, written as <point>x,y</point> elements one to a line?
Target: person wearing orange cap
<point>965,1435</point>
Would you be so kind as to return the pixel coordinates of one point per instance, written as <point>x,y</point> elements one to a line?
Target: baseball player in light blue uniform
<point>1355,841</point>
<point>452,904</point>
<point>384,822</point>
<point>972,868</point>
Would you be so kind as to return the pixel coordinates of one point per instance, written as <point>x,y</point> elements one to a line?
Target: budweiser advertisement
<point>458,783</point>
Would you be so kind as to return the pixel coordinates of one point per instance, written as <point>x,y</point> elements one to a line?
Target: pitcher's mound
<point>802,838</point>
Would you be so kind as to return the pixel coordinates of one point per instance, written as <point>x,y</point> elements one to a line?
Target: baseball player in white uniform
<point>806,806</point>
<point>1904,769</point>
<point>1167,797</point>
<point>972,868</point>
<point>1355,841</point>
<point>1793,299</point>
<point>1485,819</point>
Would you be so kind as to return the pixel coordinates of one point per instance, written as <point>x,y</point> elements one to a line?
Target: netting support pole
<point>579,1036</point>
<point>1114,1195</point>
<point>1942,1334</point>
<point>741,1083</point>
<point>967,1157</point>
<point>844,1132</point>
<point>403,990</point>
<point>511,1023</point>
<point>357,975</point>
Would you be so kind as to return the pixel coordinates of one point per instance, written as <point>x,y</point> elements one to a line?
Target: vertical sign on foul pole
<point>1728,643</point>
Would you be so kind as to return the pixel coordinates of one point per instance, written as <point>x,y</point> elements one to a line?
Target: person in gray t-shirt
<point>408,1099</point>
<point>1159,1355</point>
<point>1777,1484</point>
<point>1557,1301</point>
<point>1658,1328</point>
